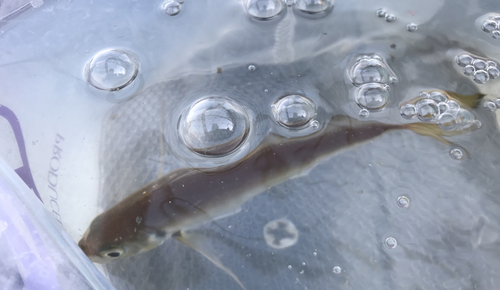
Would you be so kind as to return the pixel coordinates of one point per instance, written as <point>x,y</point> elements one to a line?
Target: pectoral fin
<point>200,244</point>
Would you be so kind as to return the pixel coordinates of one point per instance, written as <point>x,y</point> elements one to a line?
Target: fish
<point>189,197</point>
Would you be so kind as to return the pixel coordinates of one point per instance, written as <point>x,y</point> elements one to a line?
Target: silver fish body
<point>187,197</point>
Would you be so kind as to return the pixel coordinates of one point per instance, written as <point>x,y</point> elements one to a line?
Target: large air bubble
<point>313,6</point>
<point>294,111</point>
<point>371,69</point>
<point>112,69</point>
<point>372,96</point>
<point>214,126</point>
<point>264,9</point>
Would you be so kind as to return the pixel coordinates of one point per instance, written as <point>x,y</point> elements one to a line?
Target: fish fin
<point>199,244</point>
<point>430,130</point>
<point>471,101</point>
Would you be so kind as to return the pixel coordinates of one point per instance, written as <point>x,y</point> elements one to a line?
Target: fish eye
<point>111,253</point>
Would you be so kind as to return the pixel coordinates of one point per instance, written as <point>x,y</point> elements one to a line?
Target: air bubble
<point>391,243</point>
<point>456,153</point>
<point>481,77</point>
<point>493,72</point>
<point>172,8</point>
<point>370,70</point>
<point>264,9</point>
<point>294,111</point>
<point>490,105</point>
<point>427,110</point>
<point>464,59</point>
<point>443,107</point>
<point>447,122</point>
<point>424,95</point>
<point>469,70</point>
<point>497,103</point>
<point>280,234</point>
<point>381,13</point>
<point>411,27</point>
<point>479,64</point>
<point>252,67</point>
<point>495,34</point>
<point>289,267</point>
<point>372,96</point>
<point>477,124</point>
<point>313,6</point>
<point>464,118</point>
<point>314,125</point>
<point>489,25</point>
<point>112,69</point>
<point>337,270</point>
<point>491,63</point>
<point>408,111</point>
<point>364,113</point>
<point>214,126</point>
<point>403,201</point>
<point>438,97</point>
<point>453,106</point>
<point>390,18</point>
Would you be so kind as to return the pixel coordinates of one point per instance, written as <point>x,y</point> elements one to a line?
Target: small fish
<point>188,197</point>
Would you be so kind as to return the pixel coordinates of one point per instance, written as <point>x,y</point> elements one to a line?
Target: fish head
<point>112,236</point>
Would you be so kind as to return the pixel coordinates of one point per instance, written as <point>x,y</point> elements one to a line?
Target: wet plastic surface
<point>403,211</point>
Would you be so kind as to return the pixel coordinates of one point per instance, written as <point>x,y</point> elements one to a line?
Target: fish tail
<point>430,130</point>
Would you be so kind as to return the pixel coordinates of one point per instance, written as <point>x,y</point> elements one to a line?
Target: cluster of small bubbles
<point>436,107</point>
<point>391,243</point>
<point>411,27</point>
<point>456,153</point>
<point>214,126</point>
<point>294,111</point>
<point>313,6</point>
<point>403,201</point>
<point>112,69</point>
<point>491,25</point>
<point>173,7</point>
<point>264,9</point>
<point>364,113</point>
<point>280,234</point>
<point>252,67</point>
<point>337,270</point>
<point>481,70</point>
<point>372,76</point>
<point>381,13</point>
